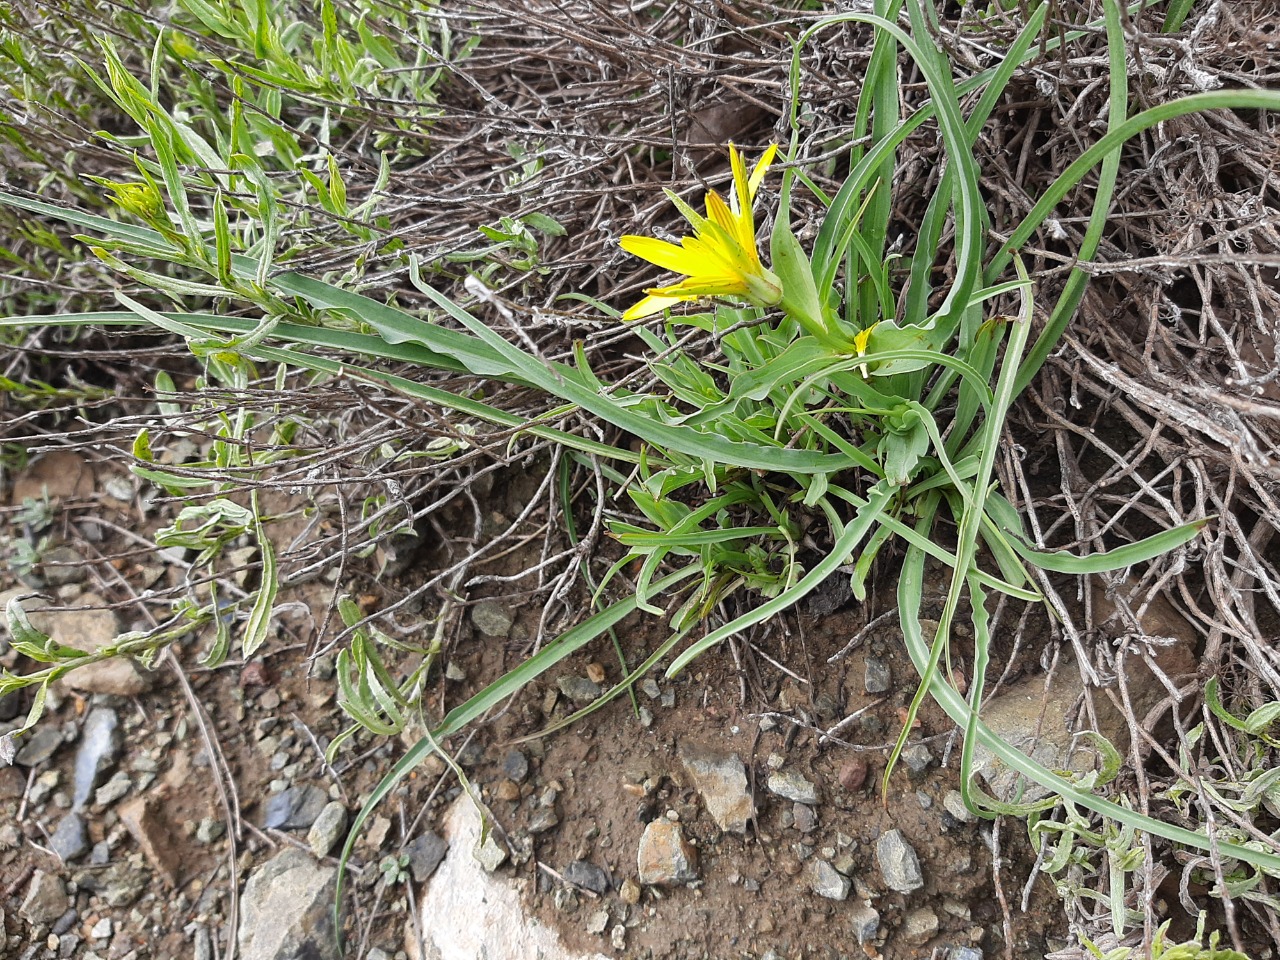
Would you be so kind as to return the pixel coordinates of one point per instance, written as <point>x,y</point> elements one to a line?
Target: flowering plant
<point>833,413</point>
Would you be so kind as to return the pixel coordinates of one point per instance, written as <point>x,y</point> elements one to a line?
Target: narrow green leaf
<point>259,622</point>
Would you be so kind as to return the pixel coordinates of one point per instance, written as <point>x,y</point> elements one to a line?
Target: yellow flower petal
<point>761,168</point>
<point>862,338</point>
<point>741,190</point>
<point>658,252</point>
<point>649,306</point>
<point>717,251</point>
<point>708,285</point>
<point>740,229</point>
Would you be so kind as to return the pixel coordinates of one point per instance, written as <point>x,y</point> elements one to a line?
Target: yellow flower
<point>860,342</point>
<point>720,259</point>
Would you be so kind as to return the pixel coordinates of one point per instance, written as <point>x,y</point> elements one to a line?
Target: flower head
<point>720,259</point>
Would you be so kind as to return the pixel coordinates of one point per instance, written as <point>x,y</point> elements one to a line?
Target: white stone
<point>467,913</point>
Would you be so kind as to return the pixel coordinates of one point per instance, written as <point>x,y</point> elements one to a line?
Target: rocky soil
<point>732,812</point>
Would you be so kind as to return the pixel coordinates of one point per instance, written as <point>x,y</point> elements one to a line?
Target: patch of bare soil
<point>756,893</point>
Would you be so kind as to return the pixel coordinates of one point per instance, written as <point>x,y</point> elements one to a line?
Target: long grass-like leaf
<point>1004,518</point>
<point>974,512</point>
<point>347,342</point>
<point>910,592</point>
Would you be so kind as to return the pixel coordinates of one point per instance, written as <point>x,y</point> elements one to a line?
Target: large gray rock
<point>467,913</point>
<point>287,910</point>
<point>46,899</point>
<point>721,779</point>
<point>60,475</point>
<point>898,862</point>
<point>99,749</point>
<point>1038,721</point>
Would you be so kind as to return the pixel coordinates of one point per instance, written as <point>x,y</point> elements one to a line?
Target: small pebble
<point>804,817</point>
<point>917,759</point>
<point>953,803</point>
<point>543,819</point>
<point>112,790</point>
<point>70,840</point>
<point>878,678</point>
<point>853,773</point>
<point>866,924</point>
<point>210,830</point>
<point>597,922</point>
<point>956,908</point>
<point>38,746</point>
<point>45,784</point>
<point>425,854</point>
<point>490,853</point>
<point>825,881</point>
<point>578,689</point>
<point>515,766</point>
<point>585,874</point>
<point>329,827</point>
<point>920,925</point>
<point>664,856</point>
<point>491,618</point>
<point>898,863</point>
<point>792,786</point>
<point>294,808</point>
